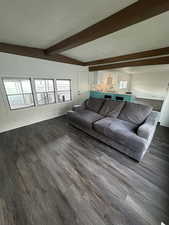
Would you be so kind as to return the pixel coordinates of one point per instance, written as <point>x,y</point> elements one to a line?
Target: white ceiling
<point>42,23</point>
<point>150,34</point>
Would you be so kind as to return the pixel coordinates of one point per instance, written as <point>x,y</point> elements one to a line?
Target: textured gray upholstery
<point>78,108</point>
<point>108,124</point>
<point>121,131</point>
<point>122,134</point>
<point>125,136</point>
<point>94,104</point>
<point>84,118</point>
<point>135,113</point>
<point>147,129</point>
<point>111,108</point>
<point>134,153</point>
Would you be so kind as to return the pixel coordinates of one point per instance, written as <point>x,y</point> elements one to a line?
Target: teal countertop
<point>99,94</point>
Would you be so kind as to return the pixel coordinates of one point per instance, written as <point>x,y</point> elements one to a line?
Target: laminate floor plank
<point>52,173</point>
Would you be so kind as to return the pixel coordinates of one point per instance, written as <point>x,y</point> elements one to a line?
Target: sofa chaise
<point>125,126</point>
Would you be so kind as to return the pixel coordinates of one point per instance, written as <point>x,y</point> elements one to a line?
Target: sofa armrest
<point>147,129</point>
<point>78,108</point>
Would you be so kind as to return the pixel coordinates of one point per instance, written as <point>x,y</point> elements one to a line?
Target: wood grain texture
<point>52,173</point>
<point>137,55</point>
<point>141,62</point>
<point>135,13</point>
<point>36,53</point>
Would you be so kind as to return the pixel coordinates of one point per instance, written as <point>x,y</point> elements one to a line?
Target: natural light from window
<point>19,93</point>
<point>63,88</point>
<point>45,93</point>
<point>123,84</point>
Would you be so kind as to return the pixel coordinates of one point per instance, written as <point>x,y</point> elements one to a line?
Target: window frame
<point>122,85</point>
<point>35,92</point>
<point>6,95</point>
<point>70,81</point>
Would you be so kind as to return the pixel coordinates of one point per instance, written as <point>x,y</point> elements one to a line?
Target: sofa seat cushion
<point>123,132</point>
<point>111,108</point>
<point>103,124</point>
<point>135,113</point>
<point>94,104</point>
<point>84,118</point>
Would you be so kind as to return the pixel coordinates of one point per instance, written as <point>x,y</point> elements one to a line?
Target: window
<point>123,84</point>
<point>45,93</point>
<point>63,88</point>
<point>19,92</point>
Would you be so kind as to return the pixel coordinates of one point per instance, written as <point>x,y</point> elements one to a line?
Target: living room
<point>84,112</point>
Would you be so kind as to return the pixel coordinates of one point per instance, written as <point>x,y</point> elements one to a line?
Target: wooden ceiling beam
<point>37,53</point>
<point>135,13</point>
<point>137,55</point>
<point>145,62</point>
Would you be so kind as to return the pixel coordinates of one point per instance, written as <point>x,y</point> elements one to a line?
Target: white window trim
<point>123,87</point>
<point>64,90</point>
<point>32,83</point>
<point>35,94</point>
<point>6,95</point>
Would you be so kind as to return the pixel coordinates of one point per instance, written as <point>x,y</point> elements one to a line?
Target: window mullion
<point>55,91</point>
<point>34,94</point>
<point>22,92</point>
<point>47,96</point>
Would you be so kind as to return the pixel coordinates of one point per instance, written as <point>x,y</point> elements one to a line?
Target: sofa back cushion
<point>135,113</point>
<point>94,104</point>
<point>111,108</point>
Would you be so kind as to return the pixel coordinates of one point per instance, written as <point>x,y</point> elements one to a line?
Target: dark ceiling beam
<point>145,62</point>
<point>135,13</point>
<point>137,55</point>
<point>36,53</point>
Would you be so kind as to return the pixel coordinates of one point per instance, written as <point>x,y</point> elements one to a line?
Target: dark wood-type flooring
<point>53,174</point>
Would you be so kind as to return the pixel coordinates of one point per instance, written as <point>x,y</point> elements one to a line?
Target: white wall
<point>164,118</point>
<point>151,85</point>
<point>18,66</point>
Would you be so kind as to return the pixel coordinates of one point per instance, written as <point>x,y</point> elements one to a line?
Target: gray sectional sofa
<point>125,126</point>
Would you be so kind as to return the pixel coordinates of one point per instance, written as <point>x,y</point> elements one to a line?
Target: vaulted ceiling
<point>40,24</point>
